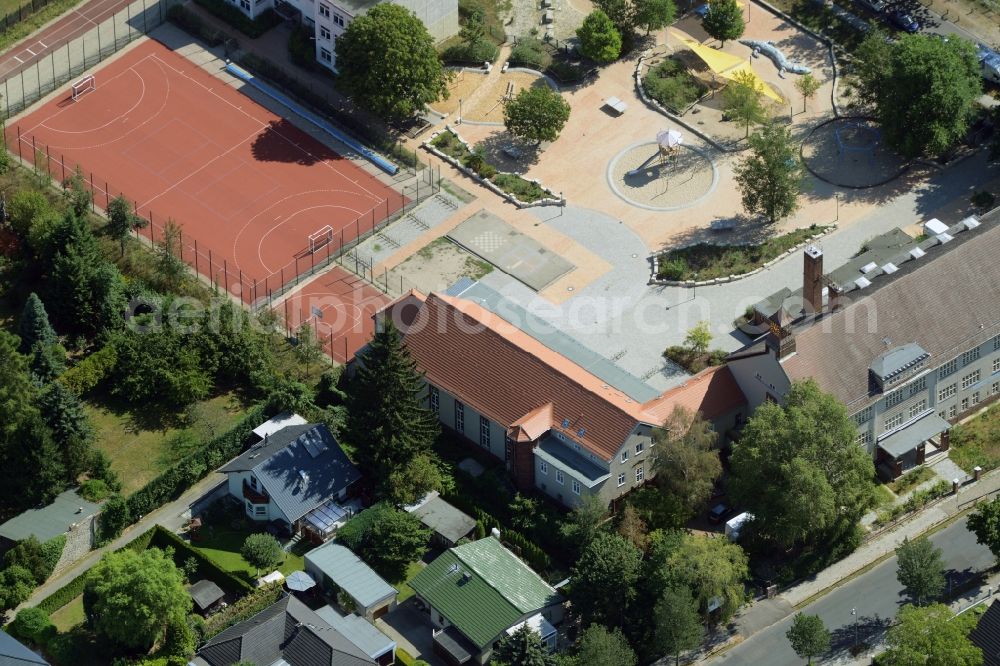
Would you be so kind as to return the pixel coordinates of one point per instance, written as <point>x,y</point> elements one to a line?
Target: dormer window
<point>896,366</point>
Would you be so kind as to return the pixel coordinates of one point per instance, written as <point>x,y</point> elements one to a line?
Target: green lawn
<point>977,442</point>
<point>69,615</point>
<point>31,23</point>
<point>883,497</point>
<point>223,545</point>
<point>140,450</point>
<point>405,591</point>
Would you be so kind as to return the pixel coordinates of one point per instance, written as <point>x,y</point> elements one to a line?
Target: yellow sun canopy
<point>728,66</point>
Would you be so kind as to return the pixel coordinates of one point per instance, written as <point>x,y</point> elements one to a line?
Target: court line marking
<point>121,115</point>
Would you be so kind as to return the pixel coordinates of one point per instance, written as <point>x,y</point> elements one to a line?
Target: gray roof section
<point>359,631</point>
<point>986,635</point>
<point>205,593</point>
<point>50,521</point>
<point>445,519</point>
<point>556,453</point>
<point>349,573</point>
<point>279,461</point>
<point>560,342</point>
<point>906,439</point>
<point>12,653</point>
<point>287,630</point>
<point>356,7</point>
<point>898,360</point>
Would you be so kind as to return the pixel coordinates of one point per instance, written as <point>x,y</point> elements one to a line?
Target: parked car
<point>719,512</point>
<point>876,6</point>
<point>904,22</point>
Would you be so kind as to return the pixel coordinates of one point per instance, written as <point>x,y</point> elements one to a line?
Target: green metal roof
<point>50,521</point>
<point>482,588</point>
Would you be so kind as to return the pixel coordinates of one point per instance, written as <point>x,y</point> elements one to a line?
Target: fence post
<point>180,243</point>
<point>93,192</point>
<point>225,273</point>
<point>211,273</point>
<point>145,28</point>
<point>253,293</point>
<point>19,143</point>
<point>196,257</point>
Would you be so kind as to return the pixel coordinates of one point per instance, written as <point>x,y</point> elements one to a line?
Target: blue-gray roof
<point>359,631</point>
<point>300,467</point>
<point>13,653</point>
<point>554,452</point>
<point>49,521</point>
<point>349,573</point>
<point>898,360</point>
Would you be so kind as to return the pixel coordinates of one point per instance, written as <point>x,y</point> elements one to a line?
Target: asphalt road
<point>876,596</point>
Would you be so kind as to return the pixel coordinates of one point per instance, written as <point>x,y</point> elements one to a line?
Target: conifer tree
<point>34,326</point>
<point>387,420</point>
<point>70,426</point>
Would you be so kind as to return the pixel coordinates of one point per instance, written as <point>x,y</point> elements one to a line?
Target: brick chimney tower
<point>812,280</point>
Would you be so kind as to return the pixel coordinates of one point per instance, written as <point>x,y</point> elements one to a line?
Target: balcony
<point>254,496</point>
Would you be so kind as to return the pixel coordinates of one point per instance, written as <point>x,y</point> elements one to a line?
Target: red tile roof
<point>515,380</point>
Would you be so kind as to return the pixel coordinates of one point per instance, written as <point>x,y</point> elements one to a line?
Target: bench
<point>512,152</point>
<point>616,105</point>
<point>722,225</point>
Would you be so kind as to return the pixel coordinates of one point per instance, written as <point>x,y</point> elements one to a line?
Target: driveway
<point>411,629</point>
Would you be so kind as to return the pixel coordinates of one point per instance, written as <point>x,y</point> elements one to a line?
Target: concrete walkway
<point>172,516</point>
<point>767,612</point>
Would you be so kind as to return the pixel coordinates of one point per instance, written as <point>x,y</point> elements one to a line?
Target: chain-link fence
<point>70,61</point>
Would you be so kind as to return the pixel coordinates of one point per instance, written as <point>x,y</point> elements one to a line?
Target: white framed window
<point>975,398</point>
<point>864,415</point>
<point>624,456</point>
<point>260,510</point>
<point>995,388</point>
<point>863,438</point>
<point>996,343</point>
<point>640,447</point>
<point>918,407</point>
<point>894,398</point>
<point>324,32</point>
<point>245,4</point>
<point>560,479</point>
<point>253,482</point>
<point>965,404</point>
<point>576,487</point>
<point>324,10</point>
<point>435,400</point>
<point>621,479</point>
<point>638,474</point>
<point>339,19</point>
<point>952,411</point>
<point>459,416</point>
<point>948,368</point>
<point>947,391</point>
<point>543,467</point>
<point>918,386</point>
<point>970,356</point>
<point>325,55</point>
<point>996,364</point>
<point>484,432</point>
<point>893,422</point>
<point>249,508</point>
<point>970,379</point>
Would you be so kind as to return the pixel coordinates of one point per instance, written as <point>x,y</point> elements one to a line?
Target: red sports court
<point>257,199</point>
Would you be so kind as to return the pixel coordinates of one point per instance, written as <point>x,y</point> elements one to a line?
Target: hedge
<point>89,372</point>
<point>186,20</point>
<point>192,468</point>
<point>244,609</point>
<point>207,568</point>
<point>252,28</point>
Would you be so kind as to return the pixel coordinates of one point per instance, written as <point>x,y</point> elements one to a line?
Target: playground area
<point>257,200</point>
<point>651,176</point>
<point>850,152</point>
<point>479,97</point>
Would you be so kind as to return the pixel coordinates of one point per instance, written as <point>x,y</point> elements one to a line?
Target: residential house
<point>986,635</point>
<point>564,429</point>
<point>476,593</point>
<point>447,524</point>
<point>286,633</point>
<point>907,336</point>
<point>337,569</point>
<point>299,476</point>
<point>68,514</point>
<point>12,653</point>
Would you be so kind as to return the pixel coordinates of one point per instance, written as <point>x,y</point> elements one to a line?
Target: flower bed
<point>523,192</point>
<point>673,86</point>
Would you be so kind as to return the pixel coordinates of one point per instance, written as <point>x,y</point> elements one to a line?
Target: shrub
<point>670,84</point>
<point>480,51</point>
<point>262,551</point>
<point>89,372</point>
<point>243,609</point>
<point>565,72</point>
<point>32,625</point>
<point>186,20</point>
<point>94,490</point>
<point>252,28</point>
<point>51,552</point>
<point>525,190</point>
<point>302,48</point>
<point>530,53</point>
<point>114,517</point>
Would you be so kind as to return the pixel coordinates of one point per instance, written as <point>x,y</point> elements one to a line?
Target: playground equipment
<point>503,99</point>
<point>774,53</point>
<point>668,143</point>
<point>727,66</point>
<point>857,137</point>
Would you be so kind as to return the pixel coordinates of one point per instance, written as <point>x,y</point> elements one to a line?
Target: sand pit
<point>850,152</point>
<point>639,177</point>
<point>463,85</point>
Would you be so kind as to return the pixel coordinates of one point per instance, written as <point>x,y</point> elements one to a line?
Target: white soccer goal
<point>318,239</point>
<point>83,86</point>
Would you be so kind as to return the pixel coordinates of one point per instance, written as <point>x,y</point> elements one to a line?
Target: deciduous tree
<point>724,20</point>
<point>798,470</point>
<point>597,645</point>
<point>699,337</point>
<point>655,14</point>
<point>388,63</point>
<point>604,579</point>
<point>930,636</point>
<point>920,569</point>
<point>741,101</point>
<point>599,38</point>
<point>122,221</point>
<point>678,626</point>
<point>16,584</point>
<point>985,524</point>
<point>685,459</point>
<point>388,420</point>
<point>808,636</point>
<point>807,85</point>
<point>262,551</point>
<point>584,521</point>
<point>131,598</point>
<point>770,176</point>
<point>713,568</point>
<point>632,527</point>
<point>536,114</point>
<point>386,538</point>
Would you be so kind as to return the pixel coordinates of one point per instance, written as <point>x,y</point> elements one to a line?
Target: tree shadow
<point>509,153</point>
<point>281,141</point>
<point>855,638</point>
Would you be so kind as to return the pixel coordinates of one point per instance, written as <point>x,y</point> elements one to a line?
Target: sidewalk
<point>769,611</point>
<point>171,516</point>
